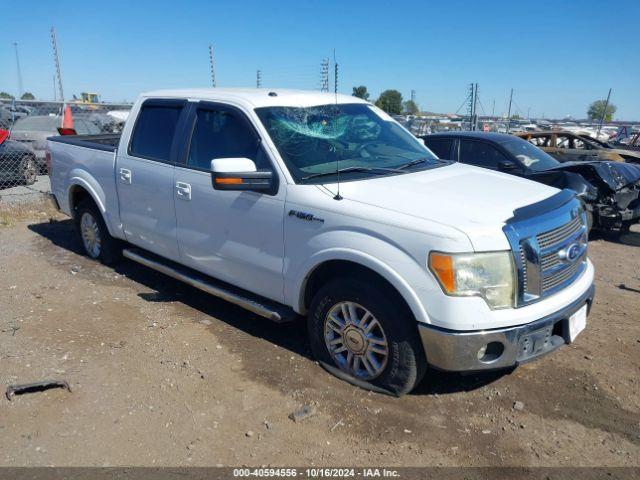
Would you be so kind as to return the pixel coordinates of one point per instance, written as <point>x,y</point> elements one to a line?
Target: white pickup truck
<point>295,203</point>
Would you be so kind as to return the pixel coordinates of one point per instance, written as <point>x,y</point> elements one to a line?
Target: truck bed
<point>107,142</point>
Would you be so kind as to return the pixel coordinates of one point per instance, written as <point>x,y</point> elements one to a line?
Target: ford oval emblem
<point>571,253</point>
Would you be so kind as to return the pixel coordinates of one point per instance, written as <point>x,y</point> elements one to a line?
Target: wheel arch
<point>341,263</point>
<point>80,189</point>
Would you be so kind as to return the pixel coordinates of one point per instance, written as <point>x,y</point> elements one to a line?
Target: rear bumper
<point>458,351</point>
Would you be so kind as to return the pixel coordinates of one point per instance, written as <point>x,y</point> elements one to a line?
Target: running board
<point>260,306</point>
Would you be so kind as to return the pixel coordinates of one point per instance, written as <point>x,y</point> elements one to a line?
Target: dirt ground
<point>162,374</point>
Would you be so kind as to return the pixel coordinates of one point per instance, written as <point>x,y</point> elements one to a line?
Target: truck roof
<point>258,97</point>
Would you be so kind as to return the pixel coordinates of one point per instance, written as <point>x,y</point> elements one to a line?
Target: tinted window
<point>223,134</point>
<point>440,146</point>
<point>154,132</point>
<point>480,153</point>
<point>530,156</point>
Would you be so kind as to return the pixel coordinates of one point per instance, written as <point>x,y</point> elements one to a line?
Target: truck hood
<point>473,200</point>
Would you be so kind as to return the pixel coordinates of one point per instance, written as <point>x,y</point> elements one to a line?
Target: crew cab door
<point>234,236</point>
<point>144,177</point>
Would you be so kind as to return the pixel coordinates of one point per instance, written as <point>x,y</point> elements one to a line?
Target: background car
<point>568,146</point>
<point>34,130</point>
<point>610,191</point>
<point>17,164</point>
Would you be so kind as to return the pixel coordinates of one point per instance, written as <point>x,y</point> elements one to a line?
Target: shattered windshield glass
<point>356,138</point>
<point>530,155</point>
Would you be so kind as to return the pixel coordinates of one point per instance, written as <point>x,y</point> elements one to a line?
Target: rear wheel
<point>29,171</point>
<point>356,329</point>
<point>96,240</point>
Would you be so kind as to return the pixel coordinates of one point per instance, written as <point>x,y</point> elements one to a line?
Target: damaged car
<point>568,146</point>
<point>610,191</point>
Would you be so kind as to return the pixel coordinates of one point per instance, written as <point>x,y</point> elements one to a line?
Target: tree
<point>27,96</point>
<point>597,108</point>
<point>411,107</point>
<point>390,101</point>
<point>6,96</point>
<point>361,92</point>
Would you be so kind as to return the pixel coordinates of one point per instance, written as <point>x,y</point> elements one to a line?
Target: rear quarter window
<point>154,131</point>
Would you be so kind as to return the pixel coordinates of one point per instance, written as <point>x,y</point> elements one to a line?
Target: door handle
<point>125,175</point>
<point>183,190</point>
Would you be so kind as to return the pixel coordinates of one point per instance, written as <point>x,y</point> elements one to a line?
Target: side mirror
<point>506,166</point>
<point>239,174</point>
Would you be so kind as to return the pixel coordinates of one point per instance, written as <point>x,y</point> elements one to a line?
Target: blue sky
<point>557,55</point>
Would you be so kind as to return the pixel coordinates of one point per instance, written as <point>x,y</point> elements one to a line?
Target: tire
<point>94,236</point>
<point>589,221</point>
<point>29,170</point>
<point>404,364</point>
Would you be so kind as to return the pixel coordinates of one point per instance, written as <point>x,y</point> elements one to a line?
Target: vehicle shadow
<point>631,238</point>
<point>291,336</point>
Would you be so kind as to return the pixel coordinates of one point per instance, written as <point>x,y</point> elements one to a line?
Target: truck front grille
<point>550,251</point>
<point>559,235</point>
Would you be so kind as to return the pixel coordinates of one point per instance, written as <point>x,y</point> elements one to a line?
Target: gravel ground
<point>162,374</point>
<point>23,194</point>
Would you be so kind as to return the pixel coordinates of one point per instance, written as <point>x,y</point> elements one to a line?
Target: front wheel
<point>366,336</point>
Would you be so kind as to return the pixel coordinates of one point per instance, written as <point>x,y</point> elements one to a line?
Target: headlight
<point>486,275</point>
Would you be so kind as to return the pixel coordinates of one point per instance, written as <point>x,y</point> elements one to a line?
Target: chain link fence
<point>26,125</point>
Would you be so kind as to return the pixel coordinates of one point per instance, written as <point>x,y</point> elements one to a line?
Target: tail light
<point>3,135</point>
<point>66,131</point>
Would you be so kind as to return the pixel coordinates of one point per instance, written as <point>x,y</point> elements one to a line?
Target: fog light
<point>490,352</point>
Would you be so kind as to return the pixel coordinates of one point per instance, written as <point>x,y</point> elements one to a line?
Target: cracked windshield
<point>354,140</point>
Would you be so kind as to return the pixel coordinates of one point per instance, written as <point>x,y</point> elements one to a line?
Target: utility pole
<point>413,96</point>
<point>509,114</point>
<point>529,113</point>
<point>258,79</point>
<point>54,88</point>
<point>604,113</point>
<point>470,106</point>
<point>213,69</point>
<point>335,77</point>
<point>324,75</point>
<point>20,92</point>
<point>493,110</point>
<point>56,58</point>
<point>475,109</point>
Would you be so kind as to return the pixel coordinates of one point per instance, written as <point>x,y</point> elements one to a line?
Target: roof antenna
<point>335,89</point>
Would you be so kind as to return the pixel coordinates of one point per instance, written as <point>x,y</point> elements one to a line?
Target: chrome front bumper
<point>458,351</point>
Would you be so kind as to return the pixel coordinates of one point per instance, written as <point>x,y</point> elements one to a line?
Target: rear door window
<point>154,131</point>
<point>440,146</point>
<point>480,154</point>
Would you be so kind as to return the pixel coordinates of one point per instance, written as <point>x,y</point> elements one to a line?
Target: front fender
<point>374,263</point>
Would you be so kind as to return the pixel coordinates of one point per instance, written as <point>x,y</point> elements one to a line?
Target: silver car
<point>34,130</point>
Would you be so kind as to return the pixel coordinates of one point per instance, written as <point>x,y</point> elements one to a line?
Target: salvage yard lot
<point>162,374</point>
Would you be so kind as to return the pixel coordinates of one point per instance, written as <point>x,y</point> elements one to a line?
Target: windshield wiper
<point>417,161</point>
<point>380,170</point>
